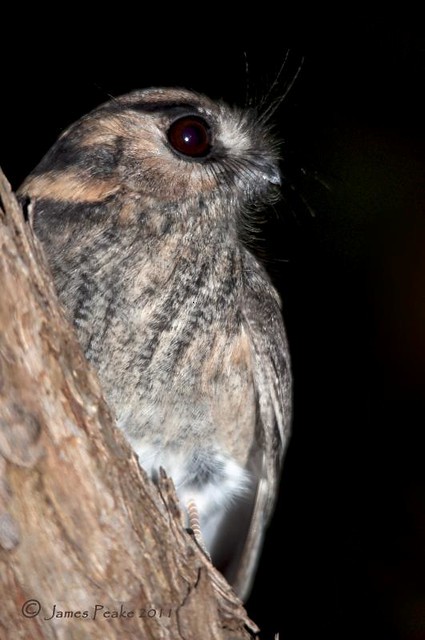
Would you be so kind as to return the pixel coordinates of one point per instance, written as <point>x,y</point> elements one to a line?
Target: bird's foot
<point>194,528</point>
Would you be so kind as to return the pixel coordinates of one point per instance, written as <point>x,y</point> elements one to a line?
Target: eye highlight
<point>190,136</point>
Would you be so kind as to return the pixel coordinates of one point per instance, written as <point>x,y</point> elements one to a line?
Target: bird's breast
<point>165,333</point>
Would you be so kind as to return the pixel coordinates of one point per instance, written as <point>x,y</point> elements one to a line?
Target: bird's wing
<point>272,379</point>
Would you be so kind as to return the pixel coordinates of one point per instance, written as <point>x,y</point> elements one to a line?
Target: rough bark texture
<point>89,547</point>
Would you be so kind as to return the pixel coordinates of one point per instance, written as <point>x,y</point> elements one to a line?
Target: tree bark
<point>89,546</point>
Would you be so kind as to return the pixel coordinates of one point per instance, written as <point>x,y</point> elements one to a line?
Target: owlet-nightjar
<point>142,207</point>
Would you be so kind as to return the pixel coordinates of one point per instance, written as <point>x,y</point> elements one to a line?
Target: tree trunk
<point>89,546</point>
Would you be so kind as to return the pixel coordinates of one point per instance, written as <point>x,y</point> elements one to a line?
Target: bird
<point>144,208</point>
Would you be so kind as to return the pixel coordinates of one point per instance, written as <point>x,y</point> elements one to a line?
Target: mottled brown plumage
<point>141,207</point>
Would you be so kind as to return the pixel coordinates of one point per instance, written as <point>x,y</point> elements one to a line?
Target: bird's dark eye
<point>190,136</point>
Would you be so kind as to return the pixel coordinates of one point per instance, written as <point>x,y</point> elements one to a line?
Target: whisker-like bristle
<point>274,105</point>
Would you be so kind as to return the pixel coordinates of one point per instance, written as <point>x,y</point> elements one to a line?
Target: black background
<point>344,557</point>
